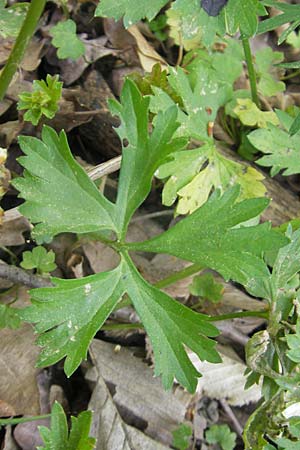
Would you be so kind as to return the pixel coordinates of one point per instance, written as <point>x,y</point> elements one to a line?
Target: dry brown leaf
<point>138,395</point>
<point>94,50</point>
<point>32,57</point>
<point>18,385</point>
<point>111,432</point>
<point>225,380</point>
<point>9,442</point>
<point>9,131</point>
<point>12,229</point>
<point>147,55</point>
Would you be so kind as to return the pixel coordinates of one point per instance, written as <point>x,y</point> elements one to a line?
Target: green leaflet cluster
<point>61,198</point>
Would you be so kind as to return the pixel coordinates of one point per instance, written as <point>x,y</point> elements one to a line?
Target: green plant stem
<point>180,275</point>
<point>251,71</point>
<point>122,326</point>
<point>291,75</point>
<point>237,315</point>
<point>138,325</point>
<point>28,28</point>
<point>4,422</point>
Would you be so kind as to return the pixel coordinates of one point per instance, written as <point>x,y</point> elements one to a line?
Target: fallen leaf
<point>9,442</point>
<point>147,55</point>
<point>143,401</point>
<point>95,49</point>
<point>12,229</point>
<point>225,380</point>
<point>18,385</point>
<point>111,432</point>
<point>32,57</point>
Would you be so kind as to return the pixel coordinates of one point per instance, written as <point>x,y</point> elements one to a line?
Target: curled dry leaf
<point>147,55</point>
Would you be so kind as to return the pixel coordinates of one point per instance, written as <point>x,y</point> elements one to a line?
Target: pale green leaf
<point>57,190</point>
<point>39,259</point>
<point>221,434</point>
<point>201,96</point>
<point>210,238</point>
<point>243,15</point>
<point>268,84</point>
<point>193,184</point>
<point>281,149</point>
<point>132,11</point>
<point>250,115</point>
<point>11,18</point>
<point>66,40</point>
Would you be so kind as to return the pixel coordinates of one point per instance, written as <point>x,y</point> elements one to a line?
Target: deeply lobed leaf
<point>69,315</point>
<point>209,237</point>
<point>56,188</point>
<point>144,153</point>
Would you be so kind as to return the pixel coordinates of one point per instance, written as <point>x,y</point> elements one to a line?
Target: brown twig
<point>235,423</point>
<point>21,276</point>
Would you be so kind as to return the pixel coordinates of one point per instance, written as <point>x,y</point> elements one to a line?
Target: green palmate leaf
<point>224,66</point>
<point>66,40</point>
<point>170,326</point>
<point>58,438</point>
<point>281,149</point>
<point>268,83</point>
<point>9,317</point>
<point>69,315</point>
<point>201,98</point>
<point>182,437</point>
<point>193,24</point>
<point>206,287</point>
<point>132,12</point>
<point>221,434</point>
<point>43,100</point>
<point>144,153</point>
<point>58,192</point>
<point>209,237</point>
<point>192,182</point>
<point>39,259</point>
<point>243,15</point>
<point>250,115</point>
<point>11,18</point>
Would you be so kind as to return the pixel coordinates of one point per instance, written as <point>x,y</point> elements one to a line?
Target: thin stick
<point>20,276</point>
<point>106,168</point>
<point>236,424</point>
